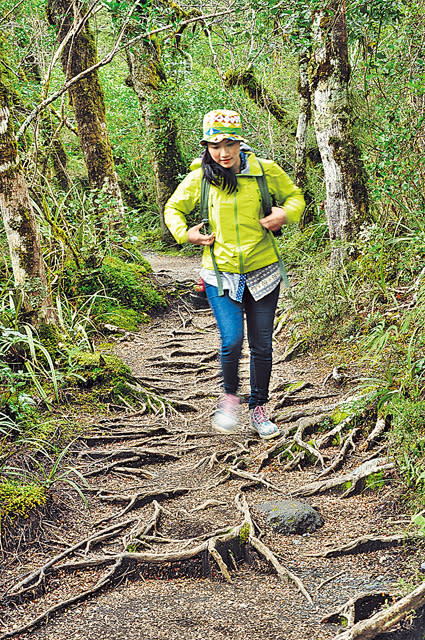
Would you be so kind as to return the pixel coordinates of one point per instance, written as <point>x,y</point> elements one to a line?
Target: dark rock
<point>291,516</point>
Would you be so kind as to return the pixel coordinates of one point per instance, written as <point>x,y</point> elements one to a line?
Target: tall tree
<point>346,194</point>
<point>20,223</point>
<point>87,99</point>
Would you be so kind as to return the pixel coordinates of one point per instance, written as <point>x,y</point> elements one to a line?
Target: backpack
<point>266,202</point>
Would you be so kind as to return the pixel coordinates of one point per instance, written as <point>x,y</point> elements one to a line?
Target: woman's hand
<point>196,237</point>
<point>275,220</point>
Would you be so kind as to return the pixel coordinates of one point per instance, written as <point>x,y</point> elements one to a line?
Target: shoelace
<point>260,415</point>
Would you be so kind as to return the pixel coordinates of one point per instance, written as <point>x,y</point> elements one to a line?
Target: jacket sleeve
<point>182,202</point>
<point>287,194</point>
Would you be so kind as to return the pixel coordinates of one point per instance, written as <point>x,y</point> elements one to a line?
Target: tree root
<point>145,455</point>
<point>110,467</point>
<point>207,504</point>
<point>263,550</point>
<point>255,479</point>
<point>134,471</point>
<point>181,364</point>
<point>217,547</point>
<point>340,457</point>
<point>35,578</point>
<point>139,499</point>
<point>327,580</point>
<point>225,456</point>
<point>265,457</point>
<point>376,433</point>
<point>294,443</point>
<point>124,435</point>
<point>290,396</point>
<point>147,528</point>
<point>385,619</point>
<point>365,544</point>
<point>353,478</point>
<point>48,613</point>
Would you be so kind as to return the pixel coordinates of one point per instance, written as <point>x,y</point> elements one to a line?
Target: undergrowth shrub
<point>323,305</point>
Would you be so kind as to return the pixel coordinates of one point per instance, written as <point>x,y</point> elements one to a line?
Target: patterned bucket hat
<point>222,124</point>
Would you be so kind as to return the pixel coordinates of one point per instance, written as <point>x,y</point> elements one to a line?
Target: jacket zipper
<point>235,210</point>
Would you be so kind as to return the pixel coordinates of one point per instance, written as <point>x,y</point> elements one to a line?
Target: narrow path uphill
<point>173,545</point>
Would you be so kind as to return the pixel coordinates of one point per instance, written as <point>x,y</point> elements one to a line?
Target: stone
<point>291,516</point>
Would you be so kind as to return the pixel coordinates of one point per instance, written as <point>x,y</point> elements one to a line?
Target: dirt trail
<point>164,477</point>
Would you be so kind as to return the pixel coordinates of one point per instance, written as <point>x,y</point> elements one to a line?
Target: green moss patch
<point>123,293</point>
<point>18,500</point>
<point>105,375</point>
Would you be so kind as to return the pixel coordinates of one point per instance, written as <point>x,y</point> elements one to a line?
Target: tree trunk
<point>53,147</point>
<point>346,195</point>
<point>87,100</point>
<point>20,224</point>
<point>149,82</point>
<point>301,135</point>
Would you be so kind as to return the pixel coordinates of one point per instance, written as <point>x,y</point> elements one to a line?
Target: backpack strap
<point>267,208</point>
<point>205,189</point>
<point>266,201</point>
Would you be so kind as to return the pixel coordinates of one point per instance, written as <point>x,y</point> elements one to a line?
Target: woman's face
<point>226,154</point>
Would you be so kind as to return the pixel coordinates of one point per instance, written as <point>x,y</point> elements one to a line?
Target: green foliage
<point>407,439</point>
<point>323,305</point>
<point>25,348</point>
<point>244,533</point>
<point>375,481</point>
<point>46,471</point>
<point>419,520</point>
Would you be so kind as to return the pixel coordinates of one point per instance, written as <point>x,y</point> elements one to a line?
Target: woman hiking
<point>241,266</point>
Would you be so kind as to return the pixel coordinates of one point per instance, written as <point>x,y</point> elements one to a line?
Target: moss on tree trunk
<point>20,224</point>
<point>259,94</point>
<point>301,135</point>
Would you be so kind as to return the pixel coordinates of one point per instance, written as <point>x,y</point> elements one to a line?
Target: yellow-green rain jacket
<point>241,243</point>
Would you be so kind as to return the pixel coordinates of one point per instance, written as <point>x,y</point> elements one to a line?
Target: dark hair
<point>217,175</point>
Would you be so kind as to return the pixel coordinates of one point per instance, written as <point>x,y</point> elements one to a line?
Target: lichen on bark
<point>19,222</point>
<point>346,203</point>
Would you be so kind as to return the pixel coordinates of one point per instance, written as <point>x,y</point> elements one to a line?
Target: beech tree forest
<point>122,513</point>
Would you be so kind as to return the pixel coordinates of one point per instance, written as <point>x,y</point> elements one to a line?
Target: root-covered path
<point>173,545</point>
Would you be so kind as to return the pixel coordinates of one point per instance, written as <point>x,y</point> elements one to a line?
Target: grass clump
<point>127,282</point>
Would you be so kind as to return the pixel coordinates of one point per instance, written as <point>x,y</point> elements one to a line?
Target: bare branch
<point>108,58</point>
<point>4,18</point>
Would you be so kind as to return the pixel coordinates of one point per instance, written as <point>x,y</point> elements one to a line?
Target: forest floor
<point>169,480</point>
